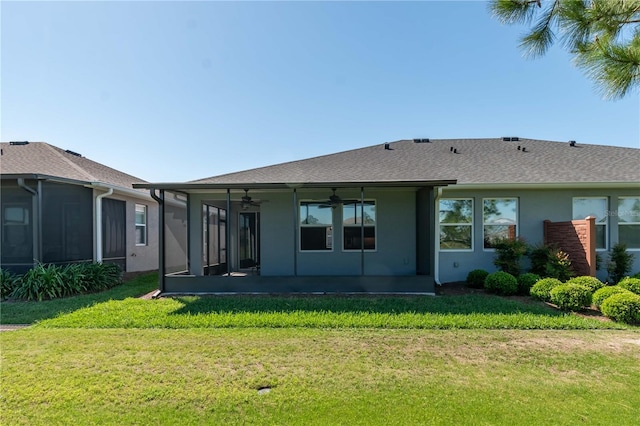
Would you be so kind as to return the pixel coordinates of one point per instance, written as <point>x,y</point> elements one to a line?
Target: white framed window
<point>499,220</point>
<point>456,224</point>
<point>316,227</point>
<point>141,225</point>
<point>597,207</point>
<point>629,222</point>
<point>354,226</point>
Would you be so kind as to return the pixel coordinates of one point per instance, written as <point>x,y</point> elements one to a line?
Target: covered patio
<point>330,237</point>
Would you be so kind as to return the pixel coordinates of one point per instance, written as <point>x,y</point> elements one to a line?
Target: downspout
<point>436,238</point>
<point>35,233</point>
<point>296,222</point>
<point>361,230</point>
<point>161,272</point>
<point>99,198</point>
<point>227,233</point>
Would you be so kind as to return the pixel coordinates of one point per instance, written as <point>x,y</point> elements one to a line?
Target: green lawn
<point>319,376</point>
<point>475,359</point>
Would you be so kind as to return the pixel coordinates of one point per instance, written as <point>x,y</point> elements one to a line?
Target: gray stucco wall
<point>534,206</point>
<point>139,258</point>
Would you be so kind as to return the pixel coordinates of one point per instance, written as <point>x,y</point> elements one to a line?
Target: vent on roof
<point>426,140</point>
<point>387,147</point>
<point>510,138</point>
<point>68,151</point>
<point>572,143</point>
<point>19,143</point>
<point>524,149</point>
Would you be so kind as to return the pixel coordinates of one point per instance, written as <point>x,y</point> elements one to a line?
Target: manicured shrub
<point>8,283</point>
<point>501,283</point>
<point>620,262</point>
<point>41,282</point>
<point>549,261</point>
<point>526,281</point>
<point>570,297</point>
<point>622,307</point>
<point>475,278</point>
<point>631,284</point>
<point>592,283</point>
<point>604,293</point>
<point>541,289</point>
<point>508,254</point>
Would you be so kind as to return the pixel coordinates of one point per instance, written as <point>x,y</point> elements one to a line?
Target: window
<point>353,225</point>
<point>629,221</point>
<point>141,225</point>
<point>597,207</point>
<point>499,220</point>
<point>316,227</point>
<point>456,224</point>
<point>16,231</point>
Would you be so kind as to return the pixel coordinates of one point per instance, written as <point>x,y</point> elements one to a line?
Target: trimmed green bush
<point>475,278</point>
<point>592,283</point>
<point>622,307</point>
<point>541,289</point>
<point>631,284</point>
<point>570,297</point>
<point>604,293</point>
<point>501,283</point>
<point>526,281</point>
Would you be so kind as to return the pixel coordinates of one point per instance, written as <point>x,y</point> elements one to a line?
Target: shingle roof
<point>40,158</point>
<point>477,161</point>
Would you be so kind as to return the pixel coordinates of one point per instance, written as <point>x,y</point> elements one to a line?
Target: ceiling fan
<point>335,201</point>
<point>246,201</point>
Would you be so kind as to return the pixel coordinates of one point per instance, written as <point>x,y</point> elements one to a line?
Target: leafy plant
<point>502,283</point>
<point>604,293</point>
<point>551,262</point>
<point>570,297</point>
<point>526,281</point>
<point>620,262</point>
<point>41,282</point>
<point>631,284</point>
<point>541,290</point>
<point>475,278</point>
<point>509,252</point>
<point>622,307</point>
<point>8,283</point>
<point>592,283</point>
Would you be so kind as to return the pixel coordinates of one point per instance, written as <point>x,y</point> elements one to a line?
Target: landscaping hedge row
<point>53,281</point>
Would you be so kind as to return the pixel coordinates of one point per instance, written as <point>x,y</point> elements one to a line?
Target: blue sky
<point>175,91</point>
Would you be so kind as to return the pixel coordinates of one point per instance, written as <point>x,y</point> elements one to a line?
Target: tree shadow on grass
<point>464,304</point>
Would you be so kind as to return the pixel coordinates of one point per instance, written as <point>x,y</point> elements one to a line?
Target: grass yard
<point>112,358</point>
<point>330,376</point>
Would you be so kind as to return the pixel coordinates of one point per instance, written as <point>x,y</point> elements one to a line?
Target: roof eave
<point>185,186</point>
<point>544,185</point>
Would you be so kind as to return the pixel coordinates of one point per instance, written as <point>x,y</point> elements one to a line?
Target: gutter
<point>99,223</point>
<point>436,238</point>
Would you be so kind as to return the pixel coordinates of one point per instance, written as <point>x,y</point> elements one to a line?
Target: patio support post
<point>362,230</point>
<point>39,252</point>
<point>161,271</point>
<point>295,233</point>
<point>227,232</point>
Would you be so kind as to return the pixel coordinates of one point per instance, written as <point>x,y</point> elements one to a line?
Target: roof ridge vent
<point>19,143</point>
<point>423,140</point>
<point>68,151</point>
<point>510,138</point>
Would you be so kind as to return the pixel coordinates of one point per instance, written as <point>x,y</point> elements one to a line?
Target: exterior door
<point>248,237</point>
<point>114,248</point>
